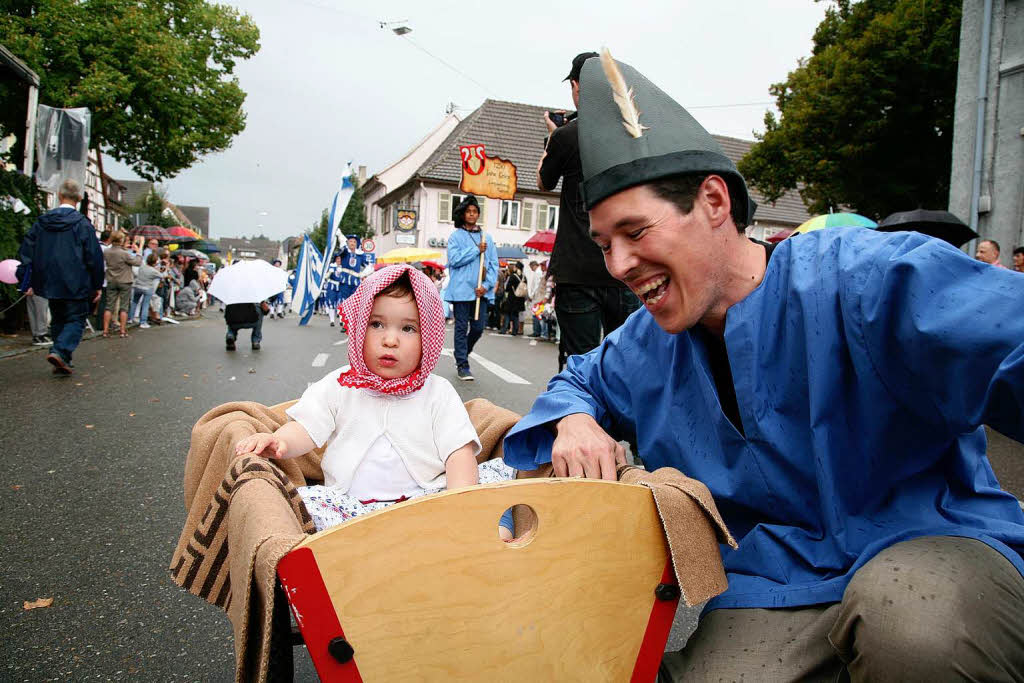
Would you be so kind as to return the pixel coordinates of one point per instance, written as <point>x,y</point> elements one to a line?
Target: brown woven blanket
<point>244,515</point>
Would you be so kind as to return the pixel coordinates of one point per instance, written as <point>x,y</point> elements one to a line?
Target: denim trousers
<point>467,330</point>
<point>256,327</point>
<point>587,314</point>
<point>140,300</point>
<point>67,320</point>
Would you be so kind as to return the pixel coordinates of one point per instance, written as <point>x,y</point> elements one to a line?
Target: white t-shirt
<point>421,429</point>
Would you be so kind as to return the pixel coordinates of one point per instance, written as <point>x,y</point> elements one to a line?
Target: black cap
<point>577,65</point>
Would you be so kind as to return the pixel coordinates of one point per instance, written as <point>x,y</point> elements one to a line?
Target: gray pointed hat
<point>621,148</point>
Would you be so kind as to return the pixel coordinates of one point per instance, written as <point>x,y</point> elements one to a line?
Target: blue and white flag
<point>335,240</point>
<point>308,280</point>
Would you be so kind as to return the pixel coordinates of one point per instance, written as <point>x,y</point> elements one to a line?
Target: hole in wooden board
<point>517,526</point>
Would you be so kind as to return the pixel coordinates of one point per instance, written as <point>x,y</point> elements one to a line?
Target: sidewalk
<point>21,343</point>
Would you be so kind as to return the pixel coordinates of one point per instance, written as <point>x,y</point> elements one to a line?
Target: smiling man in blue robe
<point>830,393</point>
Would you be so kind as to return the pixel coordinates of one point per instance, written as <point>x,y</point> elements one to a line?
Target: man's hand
<point>99,292</point>
<point>29,292</point>
<point>482,246</point>
<point>480,291</point>
<point>266,445</point>
<point>551,124</point>
<point>583,449</point>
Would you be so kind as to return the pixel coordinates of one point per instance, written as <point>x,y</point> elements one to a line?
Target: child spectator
<point>392,430</point>
<point>187,300</point>
<point>144,288</point>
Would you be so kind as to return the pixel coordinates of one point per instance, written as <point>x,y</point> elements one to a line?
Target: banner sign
<point>486,176</point>
<point>405,220</point>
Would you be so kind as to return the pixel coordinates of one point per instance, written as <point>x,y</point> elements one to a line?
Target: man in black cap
<point>588,300</point>
<point>831,394</point>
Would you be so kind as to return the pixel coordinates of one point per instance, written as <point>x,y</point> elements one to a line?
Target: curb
<point>22,350</point>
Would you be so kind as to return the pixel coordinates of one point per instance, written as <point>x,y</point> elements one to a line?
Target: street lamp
<point>397,27</point>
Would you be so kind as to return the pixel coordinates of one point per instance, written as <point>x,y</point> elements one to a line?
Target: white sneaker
<point>144,326</point>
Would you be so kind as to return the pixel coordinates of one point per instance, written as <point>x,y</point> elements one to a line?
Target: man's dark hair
<point>459,212</point>
<point>994,244</point>
<point>681,190</point>
<point>104,236</point>
<point>399,289</point>
<point>1018,250</point>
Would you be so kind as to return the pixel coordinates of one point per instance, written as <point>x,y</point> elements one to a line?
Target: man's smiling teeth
<point>652,292</point>
<point>653,284</point>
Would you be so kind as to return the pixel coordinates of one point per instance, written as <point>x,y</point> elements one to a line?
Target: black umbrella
<point>941,224</point>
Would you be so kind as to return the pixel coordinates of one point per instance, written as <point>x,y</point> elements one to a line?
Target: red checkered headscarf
<point>355,314</point>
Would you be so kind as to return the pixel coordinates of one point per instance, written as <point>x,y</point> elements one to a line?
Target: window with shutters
<point>444,207</point>
<point>542,215</point>
<point>527,223</point>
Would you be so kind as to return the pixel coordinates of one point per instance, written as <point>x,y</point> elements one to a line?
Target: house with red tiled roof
<point>426,180</point>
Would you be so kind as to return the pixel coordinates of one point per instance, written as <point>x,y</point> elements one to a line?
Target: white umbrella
<point>248,282</point>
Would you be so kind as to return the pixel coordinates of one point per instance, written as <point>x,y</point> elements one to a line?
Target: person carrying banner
<point>831,392</point>
<point>467,251</point>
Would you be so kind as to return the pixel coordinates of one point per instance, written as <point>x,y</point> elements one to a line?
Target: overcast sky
<point>329,85</point>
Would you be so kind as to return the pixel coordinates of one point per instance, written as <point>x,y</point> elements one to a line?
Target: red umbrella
<point>779,236</point>
<point>543,240</point>
<point>151,231</point>
<point>182,231</point>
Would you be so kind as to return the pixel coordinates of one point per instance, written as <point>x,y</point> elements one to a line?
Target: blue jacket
<point>62,256</point>
<point>865,365</point>
<point>464,266</point>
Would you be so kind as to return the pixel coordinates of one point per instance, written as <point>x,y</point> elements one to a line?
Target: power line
<point>453,68</point>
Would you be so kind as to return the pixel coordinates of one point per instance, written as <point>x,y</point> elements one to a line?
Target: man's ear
<point>714,197</point>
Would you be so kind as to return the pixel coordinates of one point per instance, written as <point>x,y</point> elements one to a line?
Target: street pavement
<point>91,495</point>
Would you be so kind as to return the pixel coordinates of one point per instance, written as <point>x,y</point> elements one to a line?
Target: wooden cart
<point>425,590</point>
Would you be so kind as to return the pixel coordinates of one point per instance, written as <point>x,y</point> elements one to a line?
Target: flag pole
<point>480,275</point>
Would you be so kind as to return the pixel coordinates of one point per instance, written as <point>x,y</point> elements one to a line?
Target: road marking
<point>340,342</point>
<point>320,360</point>
<point>508,376</point>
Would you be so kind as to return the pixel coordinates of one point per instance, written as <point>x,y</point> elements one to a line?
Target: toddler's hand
<point>265,445</point>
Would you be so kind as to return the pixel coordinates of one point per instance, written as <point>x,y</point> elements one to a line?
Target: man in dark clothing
<point>244,316</point>
<point>587,300</point>
<point>62,260</point>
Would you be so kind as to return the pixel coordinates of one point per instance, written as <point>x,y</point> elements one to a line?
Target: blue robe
<point>864,365</point>
<point>351,265</point>
<point>333,285</point>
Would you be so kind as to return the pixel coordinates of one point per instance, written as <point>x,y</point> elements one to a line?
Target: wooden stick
<point>480,276</point>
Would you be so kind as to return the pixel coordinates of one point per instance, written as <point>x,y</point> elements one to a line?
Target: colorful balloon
<point>8,271</point>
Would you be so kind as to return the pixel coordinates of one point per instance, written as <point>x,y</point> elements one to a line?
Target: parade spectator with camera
<point>589,301</point>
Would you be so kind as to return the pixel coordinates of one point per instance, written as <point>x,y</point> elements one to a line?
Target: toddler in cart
<point>393,431</point>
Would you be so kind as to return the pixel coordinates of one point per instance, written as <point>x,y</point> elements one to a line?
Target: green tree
<point>151,208</point>
<point>353,221</point>
<point>13,226</point>
<point>866,122</point>
<point>158,76</point>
